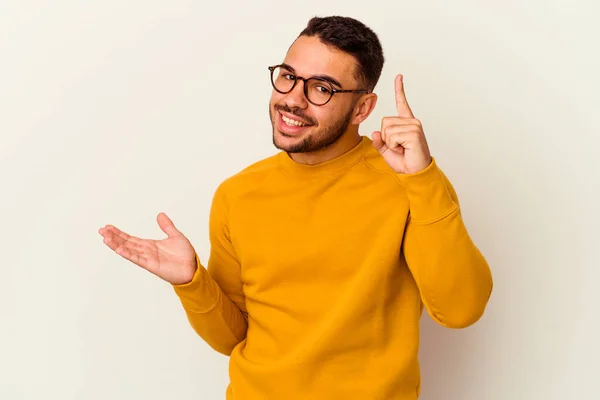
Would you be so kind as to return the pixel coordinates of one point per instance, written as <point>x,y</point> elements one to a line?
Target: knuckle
<point>388,120</point>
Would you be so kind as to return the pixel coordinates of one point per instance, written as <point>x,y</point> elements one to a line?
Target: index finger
<point>401,103</point>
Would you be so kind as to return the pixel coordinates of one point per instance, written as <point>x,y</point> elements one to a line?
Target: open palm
<point>172,259</point>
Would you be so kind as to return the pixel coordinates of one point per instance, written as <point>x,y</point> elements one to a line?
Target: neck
<point>345,143</point>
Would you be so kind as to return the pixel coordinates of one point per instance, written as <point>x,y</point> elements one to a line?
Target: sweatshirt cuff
<point>428,194</point>
<point>201,294</point>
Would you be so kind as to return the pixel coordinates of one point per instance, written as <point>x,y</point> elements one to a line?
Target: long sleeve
<point>453,277</point>
<point>214,301</point>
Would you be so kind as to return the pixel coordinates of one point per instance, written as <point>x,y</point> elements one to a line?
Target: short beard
<point>319,141</point>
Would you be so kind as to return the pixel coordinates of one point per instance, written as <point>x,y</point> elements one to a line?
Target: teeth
<point>291,122</point>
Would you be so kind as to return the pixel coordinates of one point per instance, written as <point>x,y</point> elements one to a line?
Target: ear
<point>364,107</point>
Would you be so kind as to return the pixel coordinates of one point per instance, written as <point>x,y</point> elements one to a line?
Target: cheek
<point>276,99</point>
<point>328,117</point>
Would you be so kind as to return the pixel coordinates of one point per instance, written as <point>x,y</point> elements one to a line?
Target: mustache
<point>295,111</point>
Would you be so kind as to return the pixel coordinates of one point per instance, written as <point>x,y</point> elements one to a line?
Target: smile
<point>292,122</point>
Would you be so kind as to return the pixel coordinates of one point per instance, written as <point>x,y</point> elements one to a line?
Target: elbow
<point>464,313</point>
<point>225,349</point>
<point>224,344</point>
<point>471,299</point>
<point>463,318</point>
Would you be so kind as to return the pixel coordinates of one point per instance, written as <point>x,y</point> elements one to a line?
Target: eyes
<point>313,84</point>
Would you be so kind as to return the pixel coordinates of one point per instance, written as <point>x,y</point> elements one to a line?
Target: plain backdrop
<point>113,111</point>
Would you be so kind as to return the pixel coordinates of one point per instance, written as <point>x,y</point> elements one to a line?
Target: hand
<point>172,259</point>
<point>401,140</point>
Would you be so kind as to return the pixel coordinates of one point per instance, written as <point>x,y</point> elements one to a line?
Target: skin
<point>171,259</point>
<point>335,124</point>
<point>401,142</point>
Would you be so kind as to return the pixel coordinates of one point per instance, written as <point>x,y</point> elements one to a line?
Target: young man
<point>324,255</point>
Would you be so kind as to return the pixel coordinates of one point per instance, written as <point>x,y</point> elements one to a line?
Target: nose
<point>296,98</point>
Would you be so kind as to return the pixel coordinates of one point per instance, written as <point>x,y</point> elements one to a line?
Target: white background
<point>112,111</point>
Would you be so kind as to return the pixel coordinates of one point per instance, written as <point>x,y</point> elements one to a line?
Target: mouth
<point>291,125</point>
<point>292,121</point>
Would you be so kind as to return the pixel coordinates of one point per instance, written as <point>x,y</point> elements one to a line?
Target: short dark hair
<point>352,37</point>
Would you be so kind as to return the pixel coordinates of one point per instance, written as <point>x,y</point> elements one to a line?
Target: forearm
<point>452,275</point>
<point>211,313</point>
<point>454,278</point>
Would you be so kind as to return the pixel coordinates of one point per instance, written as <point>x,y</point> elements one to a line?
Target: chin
<point>291,144</point>
<point>285,142</point>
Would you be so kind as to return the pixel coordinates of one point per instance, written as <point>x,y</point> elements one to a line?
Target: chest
<point>311,230</point>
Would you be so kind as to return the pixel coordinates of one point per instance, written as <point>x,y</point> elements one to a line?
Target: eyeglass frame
<point>333,90</point>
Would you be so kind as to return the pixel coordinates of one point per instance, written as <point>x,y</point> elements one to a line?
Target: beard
<point>316,140</point>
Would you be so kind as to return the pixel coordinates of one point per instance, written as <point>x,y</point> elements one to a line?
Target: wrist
<point>427,193</point>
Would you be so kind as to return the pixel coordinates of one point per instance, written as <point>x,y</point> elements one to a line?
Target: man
<point>324,255</point>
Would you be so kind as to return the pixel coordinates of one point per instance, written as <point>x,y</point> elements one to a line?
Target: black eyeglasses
<point>318,90</point>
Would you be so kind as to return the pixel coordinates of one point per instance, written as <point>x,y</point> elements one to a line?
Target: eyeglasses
<point>318,90</point>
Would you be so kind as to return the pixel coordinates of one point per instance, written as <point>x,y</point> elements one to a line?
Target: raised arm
<point>453,276</point>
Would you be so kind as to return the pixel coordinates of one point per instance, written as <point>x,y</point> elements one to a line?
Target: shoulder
<point>248,179</point>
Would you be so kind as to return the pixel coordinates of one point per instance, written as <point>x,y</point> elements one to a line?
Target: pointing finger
<point>401,103</point>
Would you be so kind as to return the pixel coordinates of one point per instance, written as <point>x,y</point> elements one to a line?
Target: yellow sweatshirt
<point>317,276</point>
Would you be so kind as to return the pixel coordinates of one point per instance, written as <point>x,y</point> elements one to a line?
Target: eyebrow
<point>327,78</point>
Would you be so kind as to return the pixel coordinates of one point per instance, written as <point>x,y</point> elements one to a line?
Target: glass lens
<point>283,79</point>
<point>319,91</point>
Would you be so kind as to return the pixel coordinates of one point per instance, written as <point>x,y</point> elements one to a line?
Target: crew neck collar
<point>329,167</point>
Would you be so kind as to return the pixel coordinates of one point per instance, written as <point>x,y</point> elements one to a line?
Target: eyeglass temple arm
<point>351,91</point>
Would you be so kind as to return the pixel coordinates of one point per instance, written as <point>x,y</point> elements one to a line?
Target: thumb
<point>377,141</point>
<point>167,225</point>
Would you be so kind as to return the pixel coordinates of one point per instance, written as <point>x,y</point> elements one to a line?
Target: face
<point>313,127</point>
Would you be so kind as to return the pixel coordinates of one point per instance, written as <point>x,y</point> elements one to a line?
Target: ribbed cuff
<point>428,194</point>
<point>201,294</point>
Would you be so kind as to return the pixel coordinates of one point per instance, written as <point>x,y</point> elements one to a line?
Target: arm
<point>214,301</point>
<point>453,277</point>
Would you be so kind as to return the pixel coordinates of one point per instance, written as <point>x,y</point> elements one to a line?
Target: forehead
<point>309,56</point>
